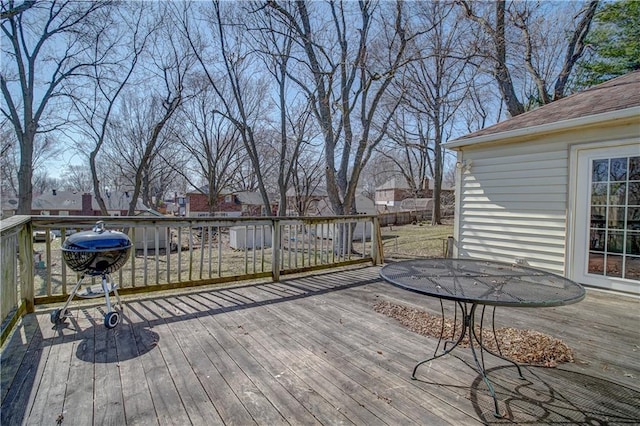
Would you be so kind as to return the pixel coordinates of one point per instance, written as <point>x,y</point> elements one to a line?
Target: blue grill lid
<point>96,240</point>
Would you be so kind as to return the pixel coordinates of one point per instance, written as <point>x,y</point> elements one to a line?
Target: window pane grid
<point>614,235</point>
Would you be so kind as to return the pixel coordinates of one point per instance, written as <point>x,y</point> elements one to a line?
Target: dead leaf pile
<point>522,346</point>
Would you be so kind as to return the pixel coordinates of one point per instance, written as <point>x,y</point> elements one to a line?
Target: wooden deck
<point>309,350</point>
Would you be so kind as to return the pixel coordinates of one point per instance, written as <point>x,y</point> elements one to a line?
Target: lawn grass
<point>421,240</point>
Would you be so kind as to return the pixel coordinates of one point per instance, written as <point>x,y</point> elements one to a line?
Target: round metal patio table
<point>473,282</point>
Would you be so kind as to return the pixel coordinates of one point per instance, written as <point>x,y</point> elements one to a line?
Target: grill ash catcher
<point>98,252</point>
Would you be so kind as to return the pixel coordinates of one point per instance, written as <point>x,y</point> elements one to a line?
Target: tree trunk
<point>25,172</point>
<point>436,218</point>
<point>97,191</point>
<point>503,76</point>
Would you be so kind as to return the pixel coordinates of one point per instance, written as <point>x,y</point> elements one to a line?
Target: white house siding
<point>513,202</point>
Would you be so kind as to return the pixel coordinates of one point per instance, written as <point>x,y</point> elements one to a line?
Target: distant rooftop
<point>394,183</point>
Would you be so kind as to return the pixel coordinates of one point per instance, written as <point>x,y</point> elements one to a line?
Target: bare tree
<point>45,148</point>
<point>42,182</point>
<point>477,111</point>
<point>77,178</point>
<point>409,149</point>
<point>173,64</point>
<point>229,66</point>
<point>379,170</point>
<point>9,9</point>
<point>213,145</point>
<point>140,130</point>
<point>138,137</point>
<point>43,51</point>
<point>541,65</point>
<point>274,43</point>
<point>9,160</point>
<point>306,181</point>
<point>123,45</point>
<point>350,74</point>
<point>436,87</point>
<point>162,177</point>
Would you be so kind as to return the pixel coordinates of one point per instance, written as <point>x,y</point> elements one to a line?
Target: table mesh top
<point>483,282</point>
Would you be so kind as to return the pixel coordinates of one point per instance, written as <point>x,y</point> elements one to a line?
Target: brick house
<point>393,191</point>
<point>244,203</point>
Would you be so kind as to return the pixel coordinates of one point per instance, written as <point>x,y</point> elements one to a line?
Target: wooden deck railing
<point>172,253</point>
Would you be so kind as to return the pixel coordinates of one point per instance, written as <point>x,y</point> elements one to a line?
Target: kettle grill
<point>98,252</point>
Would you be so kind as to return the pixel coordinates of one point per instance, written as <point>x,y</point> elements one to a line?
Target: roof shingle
<point>617,94</point>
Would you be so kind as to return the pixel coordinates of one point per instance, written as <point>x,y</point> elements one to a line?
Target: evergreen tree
<point>615,43</point>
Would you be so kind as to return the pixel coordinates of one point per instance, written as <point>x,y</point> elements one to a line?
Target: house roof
<point>117,201</point>
<point>68,200</point>
<point>603,101</point>
<point>62,200</point>
<point>401,183</point>
<point>394,183</point>
<point>9,203</point>
<point>318,191</point>
<point>364,205</point>
<point>250,198</point>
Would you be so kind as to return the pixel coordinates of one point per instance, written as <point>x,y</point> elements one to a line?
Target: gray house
<point>73,203</point>
<point>557,188</point>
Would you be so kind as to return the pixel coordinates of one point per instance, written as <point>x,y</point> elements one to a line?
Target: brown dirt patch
<point>522,346</point>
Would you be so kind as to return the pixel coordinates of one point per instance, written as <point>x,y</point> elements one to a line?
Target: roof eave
<point>558,126</point>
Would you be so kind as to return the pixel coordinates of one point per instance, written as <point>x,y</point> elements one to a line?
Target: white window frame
<point>579,212</point>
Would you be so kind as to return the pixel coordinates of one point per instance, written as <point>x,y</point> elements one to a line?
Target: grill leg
<point>59,316</point>
<point>112,318</point>
<point>105,288</point>
<point>70,298</point>
<point>114,288</point>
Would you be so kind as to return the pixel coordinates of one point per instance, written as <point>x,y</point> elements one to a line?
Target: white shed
<point>151,236</point>
<point>249,236</point>
<point>364,205</point>
<point>557,188</point>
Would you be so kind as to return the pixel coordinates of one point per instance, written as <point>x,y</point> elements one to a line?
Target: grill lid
<point>97,240</point>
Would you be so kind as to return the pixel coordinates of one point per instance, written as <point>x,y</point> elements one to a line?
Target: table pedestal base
<point>468,327</point>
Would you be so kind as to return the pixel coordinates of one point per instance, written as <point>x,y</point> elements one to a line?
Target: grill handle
<point>99,227</point>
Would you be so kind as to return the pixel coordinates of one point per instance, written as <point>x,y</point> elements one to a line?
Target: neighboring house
<point>252,205</point>
<point>117,203</point>
<point>307,204</point>
<point>364,205</point>
<point>396,190</point>
<point>244,203</point>
<point>558,188</point>
<point>9,206</point>
<point>197,205</point>
<point>68,203</point>
<point>392,192</point>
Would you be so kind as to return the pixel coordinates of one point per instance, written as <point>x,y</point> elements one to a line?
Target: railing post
<point>376,242</point>
<point>450,243</point>
<point>27,280</point>
<point>275,250</point>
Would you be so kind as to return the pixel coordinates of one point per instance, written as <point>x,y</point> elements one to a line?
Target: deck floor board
<point>309,350</point>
